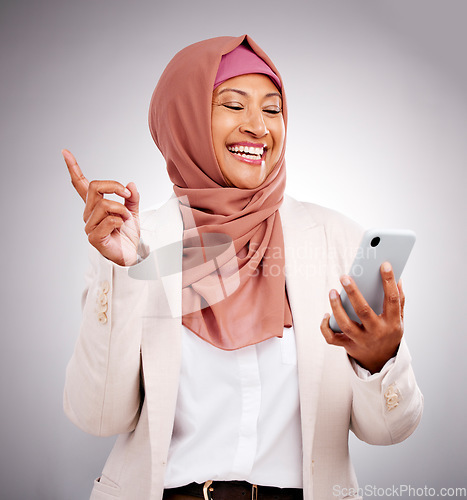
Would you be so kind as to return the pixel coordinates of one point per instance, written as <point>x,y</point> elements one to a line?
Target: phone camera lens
<point>375,241</point>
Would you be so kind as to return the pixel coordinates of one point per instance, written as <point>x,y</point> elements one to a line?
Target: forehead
<point>253,84</point>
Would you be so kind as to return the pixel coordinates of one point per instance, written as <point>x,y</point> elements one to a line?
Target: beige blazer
<point>123,375</point>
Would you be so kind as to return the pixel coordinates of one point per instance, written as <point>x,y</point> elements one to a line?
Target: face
<point>248,131</point>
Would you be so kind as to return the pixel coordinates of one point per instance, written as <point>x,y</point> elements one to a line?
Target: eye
<point>273,111</point>
<point>234,106</point>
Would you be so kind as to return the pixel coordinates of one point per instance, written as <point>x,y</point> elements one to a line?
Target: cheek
<point>279,138</point>
<point>219,136</point>
<point>222,125</point>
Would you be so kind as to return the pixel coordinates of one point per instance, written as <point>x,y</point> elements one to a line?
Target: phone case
<point>376,247</point>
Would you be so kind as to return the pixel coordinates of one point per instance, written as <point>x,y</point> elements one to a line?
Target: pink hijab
<point>238,297</point>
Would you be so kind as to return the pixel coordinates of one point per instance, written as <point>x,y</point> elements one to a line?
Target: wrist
<point>375,365</point>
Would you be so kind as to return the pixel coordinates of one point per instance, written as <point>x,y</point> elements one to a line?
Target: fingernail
<point>386,267</point>
<point>326,316</point>
<point>127,192</point>
<point>345,280</point>
<point>333,294</point>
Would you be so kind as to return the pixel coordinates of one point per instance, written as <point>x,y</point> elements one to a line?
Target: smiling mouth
<point>251,154</point>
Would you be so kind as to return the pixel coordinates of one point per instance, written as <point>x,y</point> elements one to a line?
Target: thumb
<point>132,203</point>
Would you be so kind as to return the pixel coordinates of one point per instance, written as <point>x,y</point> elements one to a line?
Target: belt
<point>234,490</point>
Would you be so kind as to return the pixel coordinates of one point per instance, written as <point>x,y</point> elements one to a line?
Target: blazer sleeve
<point>387,406</point>
<point>103,393</point>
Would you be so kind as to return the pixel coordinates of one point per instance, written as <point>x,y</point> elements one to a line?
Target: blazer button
<point>101,308</point>
<point>102,299</point>
<point>392,397</point>
<point>102,318</point>
<point>105,286</point>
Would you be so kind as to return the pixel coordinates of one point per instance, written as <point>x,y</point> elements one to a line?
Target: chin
<point>251,179</point>
<point>247,183</point>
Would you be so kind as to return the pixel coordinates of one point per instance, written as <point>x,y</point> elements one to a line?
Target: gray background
<point>378,122</point>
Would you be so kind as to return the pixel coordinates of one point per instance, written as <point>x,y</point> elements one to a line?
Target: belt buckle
<point>207,490</point>
<point>254,492</point>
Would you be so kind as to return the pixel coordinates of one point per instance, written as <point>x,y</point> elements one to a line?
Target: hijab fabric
<point>242,61</point>
<point>233,247</point>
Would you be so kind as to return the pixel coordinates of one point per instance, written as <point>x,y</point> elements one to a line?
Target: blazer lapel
<point>162,329</point>
<point>306,262</point>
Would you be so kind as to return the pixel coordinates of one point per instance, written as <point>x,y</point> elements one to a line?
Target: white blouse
<point>237,415</point>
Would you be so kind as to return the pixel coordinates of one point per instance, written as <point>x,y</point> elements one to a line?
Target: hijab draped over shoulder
<point>234,291</point>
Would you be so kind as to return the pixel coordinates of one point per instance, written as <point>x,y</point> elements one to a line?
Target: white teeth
<point>247,149</point>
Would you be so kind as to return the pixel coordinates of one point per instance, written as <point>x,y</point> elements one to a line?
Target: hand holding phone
<point>377,246</point>
<point>372,336</point>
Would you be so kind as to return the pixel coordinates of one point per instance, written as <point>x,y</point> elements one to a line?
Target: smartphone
<point>377,246</point>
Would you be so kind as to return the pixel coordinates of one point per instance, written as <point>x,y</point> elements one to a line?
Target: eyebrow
<point>243,93</point>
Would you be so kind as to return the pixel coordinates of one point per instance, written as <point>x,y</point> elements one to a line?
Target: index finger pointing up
<point>80,183</point>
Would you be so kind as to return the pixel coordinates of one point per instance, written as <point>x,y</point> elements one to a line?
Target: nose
<point>254,124</point>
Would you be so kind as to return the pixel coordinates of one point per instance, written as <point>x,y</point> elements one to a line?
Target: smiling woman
<point>201,343</point>
<point>248,131</point>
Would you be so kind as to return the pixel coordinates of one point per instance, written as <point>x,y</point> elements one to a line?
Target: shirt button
<point>105,286</point>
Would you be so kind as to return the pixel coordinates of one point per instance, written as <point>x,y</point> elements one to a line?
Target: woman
<point>217,378</point>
